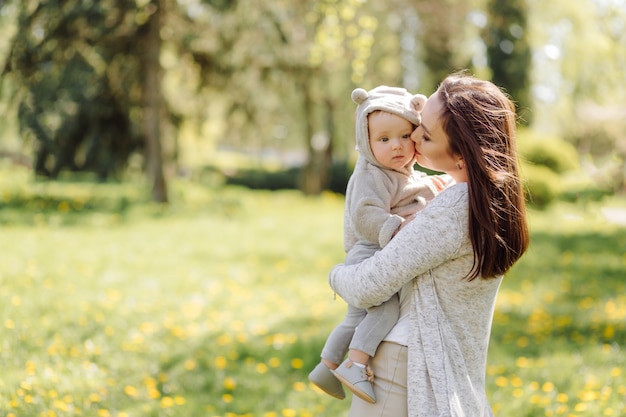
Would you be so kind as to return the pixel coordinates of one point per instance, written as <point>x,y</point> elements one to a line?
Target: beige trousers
<point>389,367</point>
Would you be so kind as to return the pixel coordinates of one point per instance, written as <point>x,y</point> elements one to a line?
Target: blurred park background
<point>172,174</point>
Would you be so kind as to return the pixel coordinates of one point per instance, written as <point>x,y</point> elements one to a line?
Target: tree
<point>150,41</point>
<point>508,51</point>
<point>79,78</point>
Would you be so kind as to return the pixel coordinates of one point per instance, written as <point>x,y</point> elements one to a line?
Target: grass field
<point>219,305</point>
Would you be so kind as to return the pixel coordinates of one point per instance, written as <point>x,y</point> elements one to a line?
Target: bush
<point>551,171</point>
<point>554,153</point>
<point>288,179</point>
<point>541,185</point>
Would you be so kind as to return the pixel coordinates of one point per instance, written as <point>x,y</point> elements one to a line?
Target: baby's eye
<point>385,139</point>
<point>406,136</point>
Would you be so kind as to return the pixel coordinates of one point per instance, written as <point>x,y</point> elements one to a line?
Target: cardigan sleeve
<point>371,207</point>
<point>432,238</point>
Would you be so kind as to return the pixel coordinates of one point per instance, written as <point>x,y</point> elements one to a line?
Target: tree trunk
<point>153,103</point>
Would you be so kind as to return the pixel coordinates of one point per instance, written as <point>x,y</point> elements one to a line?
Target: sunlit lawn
<point>219,306</point>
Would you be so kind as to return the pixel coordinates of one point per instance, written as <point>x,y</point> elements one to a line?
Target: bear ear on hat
<point>418,101</point>
<point>359,95</point>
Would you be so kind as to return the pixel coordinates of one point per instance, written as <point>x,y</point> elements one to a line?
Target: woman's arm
<point>432,238</point>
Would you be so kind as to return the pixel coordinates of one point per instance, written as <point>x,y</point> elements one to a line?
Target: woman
<point>449,261</point>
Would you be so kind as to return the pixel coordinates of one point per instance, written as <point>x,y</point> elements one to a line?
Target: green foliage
<point>552,171</point>
<point>218,305</point>
<point>287,179</point>
<point>552,152</point>
<point>542,185</point>
<point>509,51</point>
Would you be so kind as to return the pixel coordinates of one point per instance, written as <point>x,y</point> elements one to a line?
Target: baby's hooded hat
<point>394,100</point>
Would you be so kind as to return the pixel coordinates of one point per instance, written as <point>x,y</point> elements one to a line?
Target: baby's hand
<point>406,221</point>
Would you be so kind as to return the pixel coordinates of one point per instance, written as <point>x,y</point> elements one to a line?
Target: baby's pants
<point>361,329</point>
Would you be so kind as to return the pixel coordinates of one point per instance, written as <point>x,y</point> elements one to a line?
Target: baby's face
<point>390,139</point>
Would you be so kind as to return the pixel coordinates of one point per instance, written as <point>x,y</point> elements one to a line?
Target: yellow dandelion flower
<point>179,332</point>
<point>523,362</point>
<point>227,398</point>
<point>93,397</point>
<point>562,409</point>
<point>518,392</point>
<point>230,383</point>
<point>502,381</point>
<point>167,402</point>
<point>148,327</point>
<point>608,412</point>
<point>274,362</point>
<point>60,405</point>
<point>297,363</point>
<point>154,393</point>
<point>221,362</point>
<point>31,368</point>
<point>270,414</point>
<point>122,414</point>
<point>580,407</point>
<point>261,368</point>
<point>131,391</point>
<point>29,399</point>
<point>9,324</point>
<point>224,339</point>
<point>180,400</point>
<point>103,412</point>
<point>547,387</point>
<point>589,396</point>
<point>562,397</point>
<point>190,364</point>
<point>288,412</point>
<point>615,372</point>
<point>299,386</point>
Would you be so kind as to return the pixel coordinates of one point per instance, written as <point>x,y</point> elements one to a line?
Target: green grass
<point>218,305</point>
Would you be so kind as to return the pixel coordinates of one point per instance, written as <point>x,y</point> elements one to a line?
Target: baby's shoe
<point>324,379</point>
<point>358,379</point>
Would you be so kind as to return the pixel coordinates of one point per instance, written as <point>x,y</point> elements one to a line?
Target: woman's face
<point>432,150</point>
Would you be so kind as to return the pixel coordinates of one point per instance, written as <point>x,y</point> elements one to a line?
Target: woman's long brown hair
<point>479,120</point>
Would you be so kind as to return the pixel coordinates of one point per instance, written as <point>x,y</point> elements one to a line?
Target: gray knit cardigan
<point>450,317</point>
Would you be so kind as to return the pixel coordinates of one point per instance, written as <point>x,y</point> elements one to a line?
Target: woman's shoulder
<point>453,196</point>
